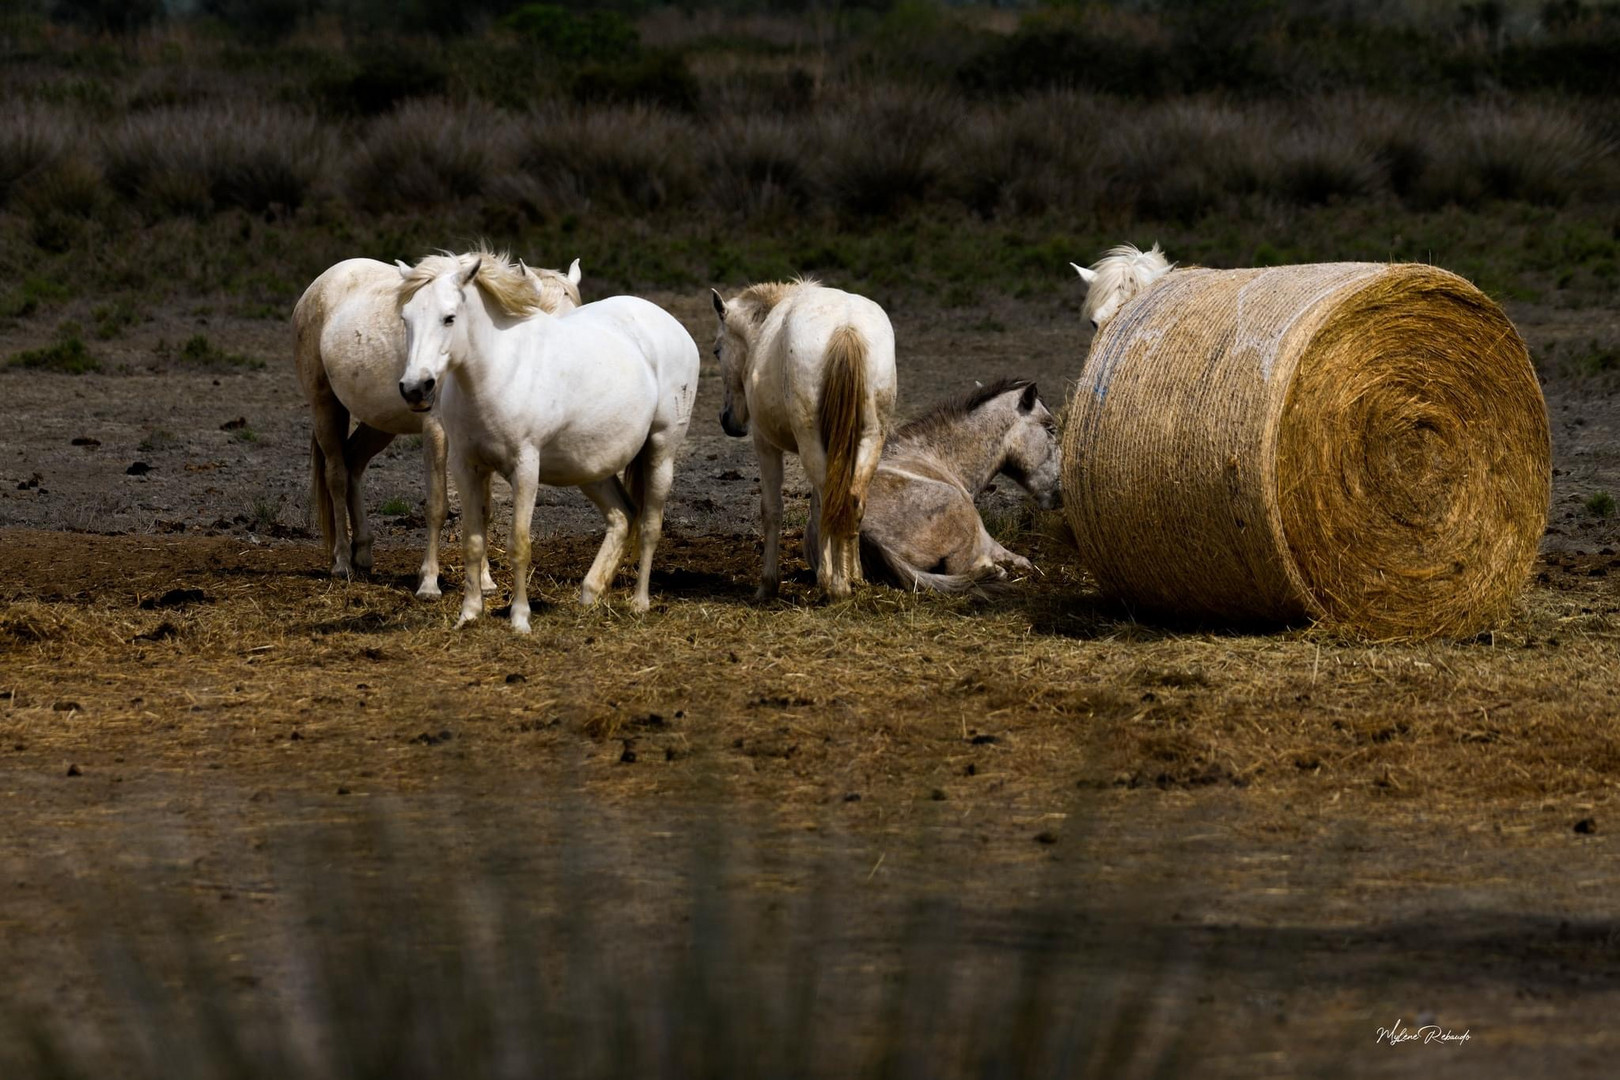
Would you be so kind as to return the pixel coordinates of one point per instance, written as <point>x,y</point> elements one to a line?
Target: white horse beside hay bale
<point>1360,443</point>
<point>350,352</point>
<point>809,370</point>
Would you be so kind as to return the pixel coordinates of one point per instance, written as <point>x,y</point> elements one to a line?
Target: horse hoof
<point>342,571</point>
<point>640,605</point>
<point>766,592</point>
<point>429,589</point>
<point>362,557</point>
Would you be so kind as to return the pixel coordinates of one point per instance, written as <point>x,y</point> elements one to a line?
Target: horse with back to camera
<point>921,529</point>
<point>809,370</point>
<point>572,402</point>
<point>350,351</point>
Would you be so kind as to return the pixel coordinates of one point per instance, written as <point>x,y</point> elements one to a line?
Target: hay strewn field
<point>258,823</point>
<point>1232,837</point>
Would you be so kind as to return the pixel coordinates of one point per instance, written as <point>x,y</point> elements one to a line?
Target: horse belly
<point>594,445</point>
<point>363,366</point>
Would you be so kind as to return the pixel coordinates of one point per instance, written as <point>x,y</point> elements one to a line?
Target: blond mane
<point>1124,270</point>
<point>554,287</point>
<point>758,300</point>
<point>506,286</point>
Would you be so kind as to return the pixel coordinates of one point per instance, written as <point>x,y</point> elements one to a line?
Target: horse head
<point>731,349</point>
<point>559,292</point>
<point>1117,277</point>
<point>1033,459</point>
<point>432,301</point>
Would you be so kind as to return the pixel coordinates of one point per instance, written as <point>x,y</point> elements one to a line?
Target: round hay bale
<point>1360,443</point>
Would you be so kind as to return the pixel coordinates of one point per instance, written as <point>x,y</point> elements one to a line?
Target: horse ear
<point>1087,276</point>
<point>472,271</point>
<point>573,272</point>
<point>1031,396</point>
<point>405,268</point>
<point>523,268</point>
<point>719,304</point>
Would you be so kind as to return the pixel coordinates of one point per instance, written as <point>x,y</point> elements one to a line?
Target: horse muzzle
<point>419,396</point>
<point>729,424</point>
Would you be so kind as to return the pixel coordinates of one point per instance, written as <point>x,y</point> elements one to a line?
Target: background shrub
<point>427,154</point>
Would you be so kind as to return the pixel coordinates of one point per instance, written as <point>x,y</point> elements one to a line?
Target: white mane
<point>1120,274</point>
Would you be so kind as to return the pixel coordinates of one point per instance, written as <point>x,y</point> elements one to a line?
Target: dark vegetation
<point>887,146</point>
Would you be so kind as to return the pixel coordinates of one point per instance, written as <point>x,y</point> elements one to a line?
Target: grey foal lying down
<point>921,529</point>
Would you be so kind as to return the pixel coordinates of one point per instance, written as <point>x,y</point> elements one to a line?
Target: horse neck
<point>482,370</point>
<point>975,447</point>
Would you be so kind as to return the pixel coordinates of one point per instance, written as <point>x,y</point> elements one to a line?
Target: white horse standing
<point>1118,276</point>
<point>809,370</point>
<point>568,402</point>
<point>350,353</point>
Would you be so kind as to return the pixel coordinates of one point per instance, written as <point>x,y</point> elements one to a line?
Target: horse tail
<point>891,567</point>
<point>838,422</point>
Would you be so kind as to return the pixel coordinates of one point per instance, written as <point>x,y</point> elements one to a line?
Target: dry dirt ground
<point>1249,851</point>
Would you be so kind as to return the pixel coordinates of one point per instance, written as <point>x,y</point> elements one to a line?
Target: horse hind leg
<point>320,507</point>
<point>823,551</point>
<point>331,432</point>
<point>366,443</point>
<point>611,499</point>
<point>655,473</point>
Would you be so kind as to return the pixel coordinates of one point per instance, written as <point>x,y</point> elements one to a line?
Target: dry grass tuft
<point>428,154</point>
<point>32,138</point>
<point>610,158</point>
<point>197,160</point>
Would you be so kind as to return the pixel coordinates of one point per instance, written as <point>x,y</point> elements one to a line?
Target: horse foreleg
<point>434,454</point>
<point>770,514</point>
<point>473,484</point>
<point>366,443</point>
<point>525,481</point>
<point>610,498</point>
<point>999,555</point>
<point>659,464</point>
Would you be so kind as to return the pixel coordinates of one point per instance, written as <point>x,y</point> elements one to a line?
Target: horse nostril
<point>427,385</point>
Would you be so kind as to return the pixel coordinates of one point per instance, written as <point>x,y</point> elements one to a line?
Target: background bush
<point>671,144</point>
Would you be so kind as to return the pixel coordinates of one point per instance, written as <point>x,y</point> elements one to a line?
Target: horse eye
<point>448,319</point>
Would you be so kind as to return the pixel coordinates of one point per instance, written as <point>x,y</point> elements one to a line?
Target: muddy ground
<point>1249,851</point>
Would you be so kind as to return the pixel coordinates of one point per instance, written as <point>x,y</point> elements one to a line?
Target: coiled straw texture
<point>1359,443</point>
